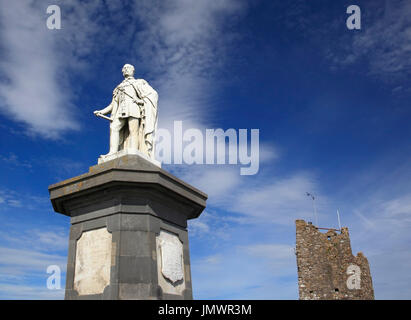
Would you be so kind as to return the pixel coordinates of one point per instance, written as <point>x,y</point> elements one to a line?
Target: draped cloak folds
<point>150,98</point>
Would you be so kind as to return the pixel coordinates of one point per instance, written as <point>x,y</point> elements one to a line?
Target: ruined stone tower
<point>327,269</point>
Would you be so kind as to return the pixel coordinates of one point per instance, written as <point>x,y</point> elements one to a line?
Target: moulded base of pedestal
<point>121,153</point>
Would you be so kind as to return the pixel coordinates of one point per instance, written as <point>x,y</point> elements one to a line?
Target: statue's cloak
<point>150,98</point>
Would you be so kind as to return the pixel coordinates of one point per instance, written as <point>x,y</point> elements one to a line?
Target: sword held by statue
<point>103,116</point>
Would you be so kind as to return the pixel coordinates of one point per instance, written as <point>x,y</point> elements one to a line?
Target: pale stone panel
<point>93,262</point>
<point>170,263</point>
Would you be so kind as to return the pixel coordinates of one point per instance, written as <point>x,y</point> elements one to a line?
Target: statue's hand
<point>97,112</point>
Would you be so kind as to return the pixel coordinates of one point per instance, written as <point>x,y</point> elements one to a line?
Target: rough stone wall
<point>326,266</point>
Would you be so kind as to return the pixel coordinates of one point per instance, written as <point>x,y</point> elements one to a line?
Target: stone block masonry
<point>128,234</point>
<point>327,269</point>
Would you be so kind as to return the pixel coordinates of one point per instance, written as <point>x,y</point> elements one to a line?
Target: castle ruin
<point>327,269</point>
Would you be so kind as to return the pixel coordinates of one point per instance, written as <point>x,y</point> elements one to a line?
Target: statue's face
<point>128,71</point>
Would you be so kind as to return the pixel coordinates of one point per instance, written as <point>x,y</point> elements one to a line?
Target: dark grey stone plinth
<point>134,201</point>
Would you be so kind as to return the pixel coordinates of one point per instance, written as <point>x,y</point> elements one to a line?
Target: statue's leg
<point>133,126</point>
<point>115,128</point>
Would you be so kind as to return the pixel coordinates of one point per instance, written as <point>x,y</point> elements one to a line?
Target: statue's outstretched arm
<point>106,109</point>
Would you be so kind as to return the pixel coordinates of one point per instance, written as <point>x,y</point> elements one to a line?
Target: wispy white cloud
<point>275,252</point>
<point>32,90</point>
<point>278,201</point>
<point>381,47</point>
<point>262,199</point>
<point>38,240</point>
<point>26,292</point>
<point>63,168</point>
<point>245,259</point>
<point>24,259</point>
<point>12,198</point>
<point>184,45</point>
<point>390,272</point>
<point>244,271</point>
<point>383,44</point>
<point>181,45</point>
<point>13,160</point>
<point>380,222</point>
<point>213,226</point>
<point>216,181</point>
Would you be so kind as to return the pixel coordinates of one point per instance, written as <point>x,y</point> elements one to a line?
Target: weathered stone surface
<point>170,263</point>
<point>93,261</point>
<point>326,264</point>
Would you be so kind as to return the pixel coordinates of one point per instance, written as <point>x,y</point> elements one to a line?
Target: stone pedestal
<point>128,235</point>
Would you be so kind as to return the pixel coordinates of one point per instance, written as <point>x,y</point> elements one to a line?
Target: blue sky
<point>331,104</point>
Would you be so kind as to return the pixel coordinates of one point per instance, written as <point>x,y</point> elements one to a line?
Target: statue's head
<point>128,70</point>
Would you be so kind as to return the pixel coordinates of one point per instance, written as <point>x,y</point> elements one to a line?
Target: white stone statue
<point>133,117</point>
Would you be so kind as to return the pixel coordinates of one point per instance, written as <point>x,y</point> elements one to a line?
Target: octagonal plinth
<point>128,235</point>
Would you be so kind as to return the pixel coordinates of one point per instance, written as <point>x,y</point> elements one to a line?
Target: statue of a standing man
<point>133,115</point>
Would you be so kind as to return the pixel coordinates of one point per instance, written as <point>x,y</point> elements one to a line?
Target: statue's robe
<point>149,117</point>
<point>124,106</point>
